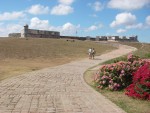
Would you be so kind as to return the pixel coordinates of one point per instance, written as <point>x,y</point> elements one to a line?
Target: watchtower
<point>26,30</point>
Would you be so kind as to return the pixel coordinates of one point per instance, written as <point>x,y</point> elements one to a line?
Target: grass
<point>18,56</point>
<point>143,49</point>
<point>143,52</point>
<point>128,104</point>
<point>122,58</point>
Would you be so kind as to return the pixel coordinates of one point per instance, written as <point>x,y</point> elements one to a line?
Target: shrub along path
<point>60,89</point>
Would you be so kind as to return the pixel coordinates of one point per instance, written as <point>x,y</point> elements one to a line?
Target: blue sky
<point>87,17</point>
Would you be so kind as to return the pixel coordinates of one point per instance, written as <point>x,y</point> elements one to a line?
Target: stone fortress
<point>26,32</point>
<point>33,33</point>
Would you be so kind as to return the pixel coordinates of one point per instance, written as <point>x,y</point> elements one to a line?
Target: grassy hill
<point>143,48</point>
<point>18,56</point>
<point>143,51</point>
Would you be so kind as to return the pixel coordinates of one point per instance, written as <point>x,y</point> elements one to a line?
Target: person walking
<point>90,53</point>
<point>93,52</point>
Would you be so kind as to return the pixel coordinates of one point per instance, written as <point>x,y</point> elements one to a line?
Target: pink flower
<point>121,75</point>
<point>129,56</point>
<point>118,85</point>
<point>110,81</point>
<point>115,84</point>
<point>104,82</point>
<point>122,71</point>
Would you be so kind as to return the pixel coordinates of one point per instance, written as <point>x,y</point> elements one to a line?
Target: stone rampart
<point>26,32</point>
<point>15,35</point>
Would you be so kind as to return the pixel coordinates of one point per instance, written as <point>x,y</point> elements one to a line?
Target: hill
<point>18,56</point>
<point>143,49</point>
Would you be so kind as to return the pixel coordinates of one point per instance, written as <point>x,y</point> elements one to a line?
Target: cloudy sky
<point>78,17</point>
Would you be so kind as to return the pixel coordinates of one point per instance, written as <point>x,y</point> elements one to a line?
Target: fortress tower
<point>24,31</point>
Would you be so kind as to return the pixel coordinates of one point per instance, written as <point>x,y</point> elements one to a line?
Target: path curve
<point>59,89</point>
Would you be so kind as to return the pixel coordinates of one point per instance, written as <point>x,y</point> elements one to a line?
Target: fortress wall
<point>15,35</point>
<point>26,33</point>
<point>32,31</point>
<point>47,32</point>
<point>41,34</point>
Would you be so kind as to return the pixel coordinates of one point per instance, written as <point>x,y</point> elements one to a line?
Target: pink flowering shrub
<point>118,75</point>
<point>140,88</point>
<point>131,58</point>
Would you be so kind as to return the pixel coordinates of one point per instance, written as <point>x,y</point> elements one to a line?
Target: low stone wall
<point>15,35</point>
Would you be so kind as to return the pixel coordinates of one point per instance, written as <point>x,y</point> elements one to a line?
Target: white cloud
<point>69,28</point>
<point>1,28</point>
<point>36,23</point>
<point>121,30</point>
<point>135,26</point>
<point>66,29</point>
<point>38,9</point>
<point>11,16</point>
<point>14,27</point>
<point>126,19</point>
<point>148,20</point>
<point>66,2</point>
<point>128,4</point>
<point>97,6</point>
<point>10,28</point>
<point>61,10</point>
<point>94,27</point>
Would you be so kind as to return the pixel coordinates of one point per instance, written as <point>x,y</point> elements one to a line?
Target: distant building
<point>134,38</point>
<point>117,38</point>
<point>124,37</point>
<point>101,38</point>
<point>26,32</point>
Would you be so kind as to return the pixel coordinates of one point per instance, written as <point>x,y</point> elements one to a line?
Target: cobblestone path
<point>59,89</point>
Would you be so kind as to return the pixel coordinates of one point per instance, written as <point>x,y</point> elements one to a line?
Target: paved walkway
<point>59,89</point>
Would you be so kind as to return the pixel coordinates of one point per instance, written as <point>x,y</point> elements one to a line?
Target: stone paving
<point>59,89</point>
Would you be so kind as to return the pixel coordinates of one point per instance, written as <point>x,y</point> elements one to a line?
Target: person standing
<point>90,53</point>
<point>93,52</point>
